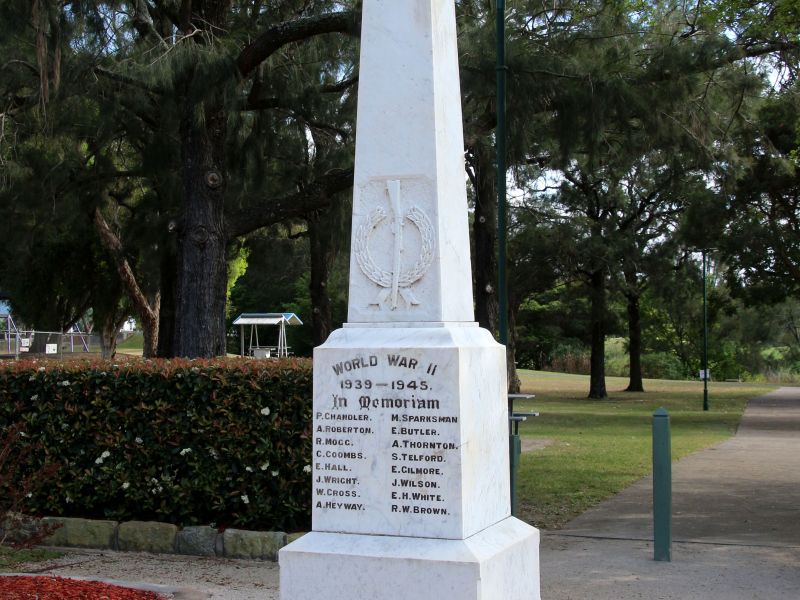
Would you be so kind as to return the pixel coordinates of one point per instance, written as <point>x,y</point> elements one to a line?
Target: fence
<point>19,343</point>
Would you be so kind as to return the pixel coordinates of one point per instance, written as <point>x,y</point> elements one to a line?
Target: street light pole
<point>500,138</point>
<point>705,335</point>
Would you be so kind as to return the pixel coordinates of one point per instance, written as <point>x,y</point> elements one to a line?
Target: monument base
<point>498,563</point>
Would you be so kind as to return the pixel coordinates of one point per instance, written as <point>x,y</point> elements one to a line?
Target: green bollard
<point>515,451</point>
<point>662,486</point>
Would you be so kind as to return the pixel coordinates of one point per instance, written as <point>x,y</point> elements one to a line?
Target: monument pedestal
<point>410,472</point>
<point>498,563</point>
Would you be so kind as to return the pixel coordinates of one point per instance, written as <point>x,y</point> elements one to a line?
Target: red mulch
<point>60,588</point>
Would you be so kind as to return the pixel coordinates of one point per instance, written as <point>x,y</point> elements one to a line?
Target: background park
<point>183,162</point>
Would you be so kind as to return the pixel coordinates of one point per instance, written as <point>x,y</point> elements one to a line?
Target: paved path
<point>736,512</point>
<point>736,525</point>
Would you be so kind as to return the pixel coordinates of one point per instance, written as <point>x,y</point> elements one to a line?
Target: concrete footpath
<point>736,526</point>
<point>736,523</point>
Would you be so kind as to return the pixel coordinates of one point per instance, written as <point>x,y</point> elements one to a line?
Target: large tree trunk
<point>322,257</point>
<point>485,237</point>
<point>635,383</point>
<point>201,257</point>
<point>597,379</point>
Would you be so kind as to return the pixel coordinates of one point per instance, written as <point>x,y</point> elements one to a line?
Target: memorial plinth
<point>410,466</point>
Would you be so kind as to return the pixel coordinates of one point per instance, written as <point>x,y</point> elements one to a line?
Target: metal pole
<point>662,486</point>
<point>500,138</point>
<point>502,235</point>
<point>515,452</point>
<point>705,336</point>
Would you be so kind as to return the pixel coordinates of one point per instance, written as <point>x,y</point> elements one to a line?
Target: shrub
<point>226,441</point>
<point>17,484</point>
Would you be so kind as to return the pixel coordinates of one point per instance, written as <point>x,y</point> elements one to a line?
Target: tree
<point>195,95</point>
<point>635,82</point>
<point>762,240</point>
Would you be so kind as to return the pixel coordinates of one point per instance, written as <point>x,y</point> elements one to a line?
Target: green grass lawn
<point>601,446</point>
<point>11,559</point>
<point>133,345</point>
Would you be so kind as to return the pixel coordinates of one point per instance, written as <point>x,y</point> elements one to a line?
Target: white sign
<point>705,374</point>
<point>25,342</point>
<point>51,349</point>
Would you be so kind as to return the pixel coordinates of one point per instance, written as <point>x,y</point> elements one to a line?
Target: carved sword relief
<point>396,282</point>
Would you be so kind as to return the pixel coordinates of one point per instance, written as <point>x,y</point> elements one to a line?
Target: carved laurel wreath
<point>380,276</point>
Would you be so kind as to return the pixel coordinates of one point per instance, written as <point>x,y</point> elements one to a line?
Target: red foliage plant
<point>60,588</point>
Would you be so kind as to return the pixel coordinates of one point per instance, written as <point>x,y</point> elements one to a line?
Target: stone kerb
<point>165,538</point>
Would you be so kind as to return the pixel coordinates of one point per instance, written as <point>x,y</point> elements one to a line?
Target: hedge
<point>223,441</point>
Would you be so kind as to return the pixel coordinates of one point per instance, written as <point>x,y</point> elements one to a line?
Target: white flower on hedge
<point>32,378</point>
<point>98,460</point>
<point>265,466</point>
<point>249,469</point>
<point>126,485</point>
<point>186,451</point>
<point>68,500</point>
<point>29,495</point>
<point>195,370</point>
<point>105,454</point>
<point>213,453</point>
<point>64,383</point>
<point>34,398</point>
<point>41,369</point>
<point>274,473</point>
<point>265,411</point>
<point>138,440</point>
<point>307,469</point>
<point>245,499</point>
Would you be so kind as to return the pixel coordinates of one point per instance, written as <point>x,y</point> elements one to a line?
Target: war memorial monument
<point>410,433</point>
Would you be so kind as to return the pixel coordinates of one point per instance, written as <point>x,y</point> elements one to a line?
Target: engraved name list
<point>386,441</point>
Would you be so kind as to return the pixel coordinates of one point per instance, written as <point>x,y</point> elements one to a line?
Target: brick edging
<point>164,538</point>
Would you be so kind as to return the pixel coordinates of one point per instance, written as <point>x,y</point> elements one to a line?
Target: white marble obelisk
<point>410,455</point>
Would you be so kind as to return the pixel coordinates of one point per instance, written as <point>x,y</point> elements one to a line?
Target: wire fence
<point>23,343</point>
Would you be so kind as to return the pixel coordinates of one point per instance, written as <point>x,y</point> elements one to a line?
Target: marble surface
<point>498,563</point>
<point>410,432</point>
<point>410,246</point>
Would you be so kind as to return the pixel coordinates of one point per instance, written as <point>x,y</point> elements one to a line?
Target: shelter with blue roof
<point>254,320</point>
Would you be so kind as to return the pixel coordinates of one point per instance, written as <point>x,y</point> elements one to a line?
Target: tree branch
<point>111,242</point>
<point>271,40</point>
<point>314,196</point>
